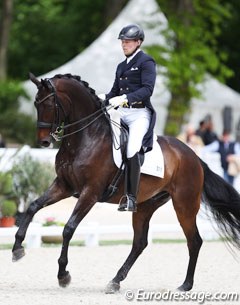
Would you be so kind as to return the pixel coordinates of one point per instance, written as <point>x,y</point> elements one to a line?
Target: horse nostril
<point>45,143</point>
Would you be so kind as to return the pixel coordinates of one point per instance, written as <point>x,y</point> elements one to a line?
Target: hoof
<point>18,254</point>
<point>112,287</point>
<point>65,280</point>
<point>185,287</point>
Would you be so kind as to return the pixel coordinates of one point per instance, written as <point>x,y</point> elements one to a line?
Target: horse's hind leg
<point>55,193</point>
<point>186,214</point>
<point>140,226</point>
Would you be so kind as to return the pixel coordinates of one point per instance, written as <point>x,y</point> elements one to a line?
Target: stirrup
<point>127,203</point>
<point>123,203</point>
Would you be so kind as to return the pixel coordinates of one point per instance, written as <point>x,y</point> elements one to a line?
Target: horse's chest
<point>64,166</point>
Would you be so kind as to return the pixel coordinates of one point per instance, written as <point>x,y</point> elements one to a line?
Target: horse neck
<point>82,106</point>
<point>85,108</point>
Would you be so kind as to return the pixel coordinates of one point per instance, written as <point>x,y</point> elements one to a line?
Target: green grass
<point>80,243</point>
<point>115,242</point>
<point>6,247</point>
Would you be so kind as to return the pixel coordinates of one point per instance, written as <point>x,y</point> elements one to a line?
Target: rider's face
<point>129,46</point>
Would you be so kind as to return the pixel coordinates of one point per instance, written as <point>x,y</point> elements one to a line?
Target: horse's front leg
<point>55,193</point>
<point>85,202</point>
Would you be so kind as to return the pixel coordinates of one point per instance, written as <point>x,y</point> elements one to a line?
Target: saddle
<point>151,164</point>
<point>124,135</point>
<point>113,187</point>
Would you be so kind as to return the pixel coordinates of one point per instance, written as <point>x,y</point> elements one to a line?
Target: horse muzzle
<point>44,138</point>
<point>45,142</point>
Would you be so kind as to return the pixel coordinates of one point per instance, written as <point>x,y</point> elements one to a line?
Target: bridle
<point>56,126</point>
<point>57,106</point>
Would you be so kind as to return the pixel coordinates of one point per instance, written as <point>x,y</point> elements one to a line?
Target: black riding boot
<point>132,177</point>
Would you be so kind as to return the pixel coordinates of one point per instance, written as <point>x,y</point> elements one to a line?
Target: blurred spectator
<point>208,136</point>
<point>201,129</point>
<point>190,138</point>
<point>2,143</point>
<point>238,132</point>
<point>228,150</point>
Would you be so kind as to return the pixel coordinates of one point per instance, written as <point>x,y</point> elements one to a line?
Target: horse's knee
<point>68,232</point>
<point>33,208</point>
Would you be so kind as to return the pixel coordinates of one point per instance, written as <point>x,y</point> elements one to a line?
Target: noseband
<point>56,126</point>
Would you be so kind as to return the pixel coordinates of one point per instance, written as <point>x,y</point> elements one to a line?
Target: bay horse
<point>68,109</point>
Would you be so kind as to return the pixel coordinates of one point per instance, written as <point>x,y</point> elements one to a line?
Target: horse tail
<point>223,202</point>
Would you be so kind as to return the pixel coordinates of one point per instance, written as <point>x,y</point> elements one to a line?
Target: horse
<point>69,110</point>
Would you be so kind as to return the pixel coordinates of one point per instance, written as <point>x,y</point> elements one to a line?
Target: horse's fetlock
<point>62,261</point>
<point>19,237</point>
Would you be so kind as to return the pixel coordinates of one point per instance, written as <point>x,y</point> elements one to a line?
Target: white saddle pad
<point>153,162</point>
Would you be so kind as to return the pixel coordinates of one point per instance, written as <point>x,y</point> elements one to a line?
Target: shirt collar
<point>131,57</point>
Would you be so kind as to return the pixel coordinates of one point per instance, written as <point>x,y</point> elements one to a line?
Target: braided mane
<point>78,78</point>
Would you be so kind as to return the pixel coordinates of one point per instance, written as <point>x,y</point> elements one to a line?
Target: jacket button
<point>125,77</point>
<point>120,78</point>
<point>121,89</point>
<point>127,88</point>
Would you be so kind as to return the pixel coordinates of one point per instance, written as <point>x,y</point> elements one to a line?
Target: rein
<point>56,135</point>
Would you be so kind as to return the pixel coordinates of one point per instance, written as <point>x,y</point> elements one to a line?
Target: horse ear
<point>34,79</point>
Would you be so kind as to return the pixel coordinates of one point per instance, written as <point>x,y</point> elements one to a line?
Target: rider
<point>130,95</point>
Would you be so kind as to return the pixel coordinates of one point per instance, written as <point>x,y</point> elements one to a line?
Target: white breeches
<point>137,120</point>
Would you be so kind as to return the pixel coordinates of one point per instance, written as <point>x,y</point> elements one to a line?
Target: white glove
<point>102,96</point>
<point>118,100</point>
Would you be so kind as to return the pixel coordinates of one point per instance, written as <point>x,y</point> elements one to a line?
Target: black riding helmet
<point>132,31</point>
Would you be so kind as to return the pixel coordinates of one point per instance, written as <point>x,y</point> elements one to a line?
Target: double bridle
<point>56,126</point>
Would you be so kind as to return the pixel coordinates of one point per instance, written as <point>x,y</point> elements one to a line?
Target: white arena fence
<point>92,232</point>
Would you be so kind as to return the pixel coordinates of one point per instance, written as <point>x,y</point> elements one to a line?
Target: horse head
<point>63,100</point>
<point>46,102</point>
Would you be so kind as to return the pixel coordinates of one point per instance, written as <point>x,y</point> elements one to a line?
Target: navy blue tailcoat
<point>136,79</point>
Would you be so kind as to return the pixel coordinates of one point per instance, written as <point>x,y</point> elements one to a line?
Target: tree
<point>15,126</point>
<point>31,178</point>
<point>44,35</point>
<point>191,52</point>
<point>5,26</point>
<point>48,33</point>
<point>228,41</point>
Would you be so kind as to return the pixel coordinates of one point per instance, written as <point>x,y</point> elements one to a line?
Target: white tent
<point>97,64</point>
<point>215,97</point>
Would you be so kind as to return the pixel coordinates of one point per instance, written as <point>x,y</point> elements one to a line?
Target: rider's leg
<point>137,129</point>
<point>132,178</point>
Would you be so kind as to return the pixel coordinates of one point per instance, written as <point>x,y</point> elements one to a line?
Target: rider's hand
<point>102,96</point>
<point>118,100</point>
